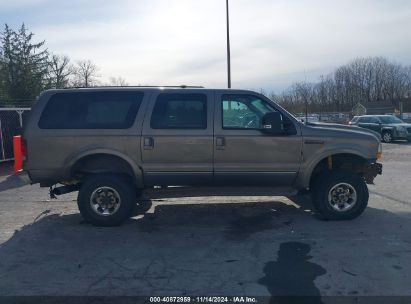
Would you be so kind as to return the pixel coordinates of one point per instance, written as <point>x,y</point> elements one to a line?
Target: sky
<point>172,42</point>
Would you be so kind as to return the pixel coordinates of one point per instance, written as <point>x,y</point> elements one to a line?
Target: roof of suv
<point>150,88</point>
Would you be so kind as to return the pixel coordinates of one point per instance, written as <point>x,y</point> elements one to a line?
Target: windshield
<point>390,120</point>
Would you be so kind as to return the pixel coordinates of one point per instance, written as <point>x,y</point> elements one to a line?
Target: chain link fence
<point>12,121</point>
<point>330,117</point>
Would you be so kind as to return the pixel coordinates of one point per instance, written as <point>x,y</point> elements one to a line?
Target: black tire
<point>113,186</point>
<point>323,188</point>
<point>387,137</point>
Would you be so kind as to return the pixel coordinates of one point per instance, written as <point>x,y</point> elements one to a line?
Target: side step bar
<point>175,192</point>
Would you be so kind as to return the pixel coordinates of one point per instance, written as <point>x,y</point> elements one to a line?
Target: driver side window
<point>243,111</point>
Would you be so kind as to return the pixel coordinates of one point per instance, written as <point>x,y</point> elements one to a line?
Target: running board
<point>175,192</point>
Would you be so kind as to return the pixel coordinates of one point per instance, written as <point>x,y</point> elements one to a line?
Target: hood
<point>352,128</point>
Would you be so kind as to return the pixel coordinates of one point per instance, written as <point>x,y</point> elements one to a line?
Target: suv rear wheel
<point>340,195</point>
<point>106,199</point>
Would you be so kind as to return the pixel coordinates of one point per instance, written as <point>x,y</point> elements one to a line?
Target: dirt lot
<point>256,246</point>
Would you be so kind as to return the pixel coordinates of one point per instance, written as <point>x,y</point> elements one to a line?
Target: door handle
<point>148,143</point>
<point>220,143</point>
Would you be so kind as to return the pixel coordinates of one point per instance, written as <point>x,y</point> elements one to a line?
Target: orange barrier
<point>18,153</point>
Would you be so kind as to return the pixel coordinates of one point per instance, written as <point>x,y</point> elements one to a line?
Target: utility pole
<point>228,47</point>
<point>305,98</point>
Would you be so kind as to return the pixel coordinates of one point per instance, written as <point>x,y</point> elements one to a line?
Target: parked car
<point>390,127</point>
<point>111,144</point>
<point>310,118</point>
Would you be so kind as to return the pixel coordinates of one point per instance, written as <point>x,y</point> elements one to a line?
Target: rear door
<point>243,154</point>
<point>177,138</point>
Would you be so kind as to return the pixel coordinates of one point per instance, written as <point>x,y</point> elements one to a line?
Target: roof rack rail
<point>183,86</point>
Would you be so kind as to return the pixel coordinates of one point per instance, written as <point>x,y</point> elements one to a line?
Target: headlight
<point>379,152</point>
<point>401,129</point>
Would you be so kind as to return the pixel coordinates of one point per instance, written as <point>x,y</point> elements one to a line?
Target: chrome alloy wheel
<point>342,197</point>
<point>105,201</point>
<point>387,137</point>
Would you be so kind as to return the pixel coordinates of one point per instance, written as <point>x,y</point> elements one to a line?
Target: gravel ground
<point>256,246</point>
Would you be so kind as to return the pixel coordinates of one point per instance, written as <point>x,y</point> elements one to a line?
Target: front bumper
<point>402,135</point>
<point>371,171</point>
<point>407,138</point>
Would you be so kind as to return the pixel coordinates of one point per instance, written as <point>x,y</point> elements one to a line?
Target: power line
<point>228,48</point>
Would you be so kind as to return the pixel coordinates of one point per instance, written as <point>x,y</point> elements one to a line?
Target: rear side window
<point>91,110</point>
<point>180,111</point>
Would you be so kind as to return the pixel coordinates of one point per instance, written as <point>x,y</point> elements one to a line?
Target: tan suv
<point>110,144</point>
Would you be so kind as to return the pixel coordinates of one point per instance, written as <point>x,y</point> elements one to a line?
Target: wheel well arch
<point>102,163</point>
<point>348,162</point>
<point>388,129</point>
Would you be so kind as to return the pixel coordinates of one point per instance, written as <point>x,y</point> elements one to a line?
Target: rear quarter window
<point>91,110</point>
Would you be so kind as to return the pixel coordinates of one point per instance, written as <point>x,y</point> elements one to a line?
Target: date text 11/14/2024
<point>185,299</point>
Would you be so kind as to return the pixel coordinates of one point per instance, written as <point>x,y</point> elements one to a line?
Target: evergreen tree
<point>24,64</point>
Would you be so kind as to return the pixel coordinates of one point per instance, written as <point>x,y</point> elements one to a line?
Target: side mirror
<point>272,123</point>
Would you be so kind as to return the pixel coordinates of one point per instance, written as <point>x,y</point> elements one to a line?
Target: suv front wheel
<point>340,195</point>
<point>106,199</point>
<point>387,137</point>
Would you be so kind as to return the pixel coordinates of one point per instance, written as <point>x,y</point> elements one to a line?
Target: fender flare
<point>137,170</point>
<point>387,129</point>
<point>303,179</point>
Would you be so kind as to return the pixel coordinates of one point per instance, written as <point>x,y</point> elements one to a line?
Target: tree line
<point>362,80</point>
<point>28,68</point>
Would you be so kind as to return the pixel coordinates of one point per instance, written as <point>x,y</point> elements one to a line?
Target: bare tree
<point>118,81</point>
<point>303,93</point>
<point>60,71</point>
<point>86,73</point>
<point>361,80</point>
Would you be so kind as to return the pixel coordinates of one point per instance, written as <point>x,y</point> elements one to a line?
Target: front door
<point>177,139</point>
<point>243,154</point>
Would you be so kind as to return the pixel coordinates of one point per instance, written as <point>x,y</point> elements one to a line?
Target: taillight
<point>19,151</point>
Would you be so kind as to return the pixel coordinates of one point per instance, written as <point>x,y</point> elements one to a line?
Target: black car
<point>390,127</point>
